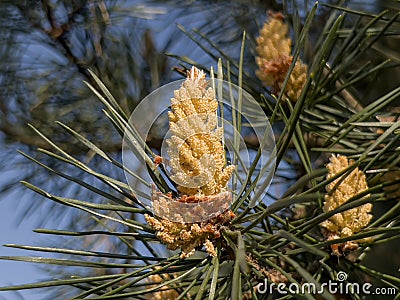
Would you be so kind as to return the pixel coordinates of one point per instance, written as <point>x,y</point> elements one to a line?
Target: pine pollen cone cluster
<point>274,59</point>
<point>197,155</point>
<point>164,293</point>
<point>197,162</point>
<point>348,222</point>
<point>189,236</point>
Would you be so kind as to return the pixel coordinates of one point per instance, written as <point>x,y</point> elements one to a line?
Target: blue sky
<point>13,272</point>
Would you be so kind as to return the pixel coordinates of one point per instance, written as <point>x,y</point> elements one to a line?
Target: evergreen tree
<point>323,73</point>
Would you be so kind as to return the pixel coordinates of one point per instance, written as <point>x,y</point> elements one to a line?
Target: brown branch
<point>58,34</point>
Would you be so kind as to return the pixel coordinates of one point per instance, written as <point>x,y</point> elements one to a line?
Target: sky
<point>14,272</point>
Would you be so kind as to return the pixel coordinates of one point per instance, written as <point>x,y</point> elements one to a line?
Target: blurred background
<point>46,47</point>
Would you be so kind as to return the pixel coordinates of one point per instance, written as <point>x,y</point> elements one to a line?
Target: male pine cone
<point>350,221</point>
<point>274,59</point>
<point>197,155</point>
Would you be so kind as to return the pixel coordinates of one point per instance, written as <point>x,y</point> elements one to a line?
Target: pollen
<point>197,156</point>
<point>274,59</point>
<point>349,222</point>
<point>198,168</point>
